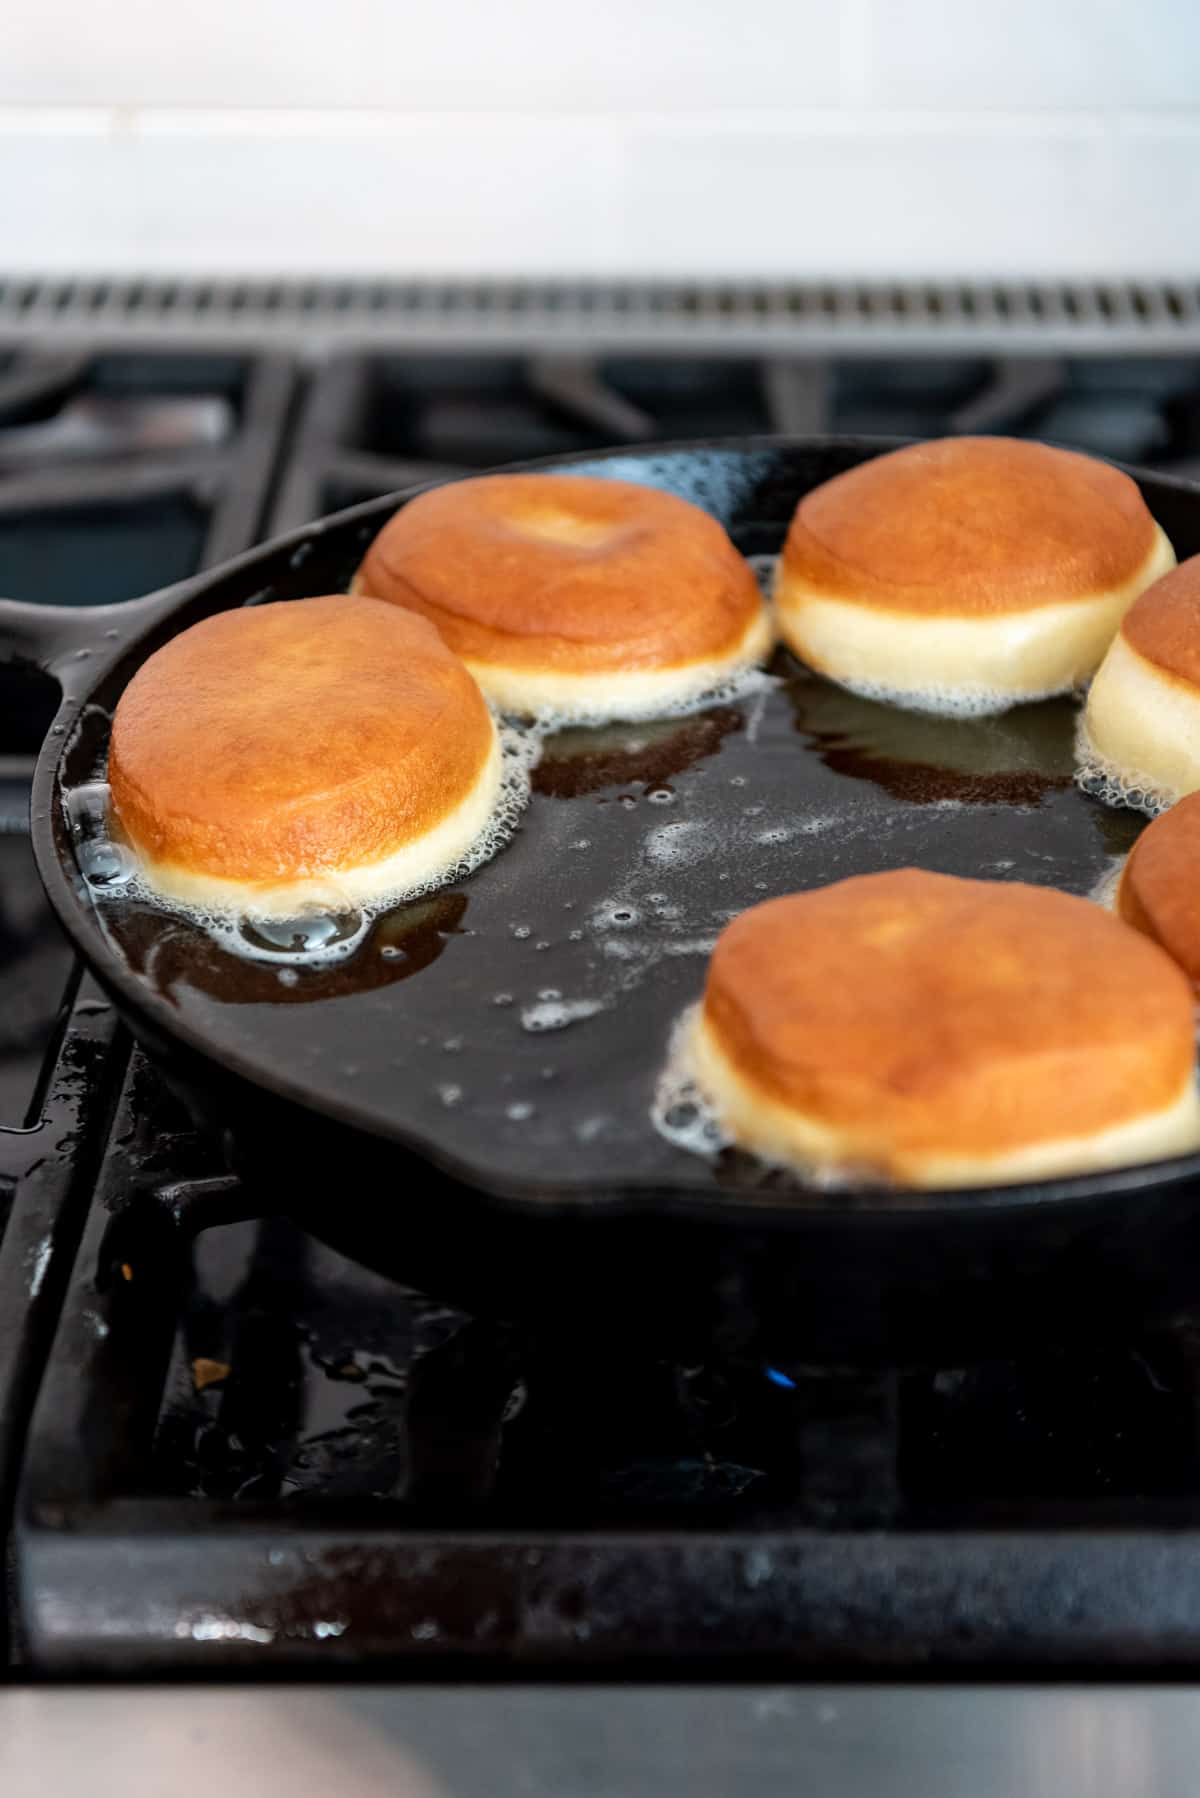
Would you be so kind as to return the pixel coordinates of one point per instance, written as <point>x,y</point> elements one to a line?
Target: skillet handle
<point>54,638</point>
<point>37,636</point>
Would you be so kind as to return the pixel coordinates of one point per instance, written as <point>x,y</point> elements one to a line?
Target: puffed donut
<point>941,1032</point>
<point>967,575</point>
<point>1159,889</point>
<point>568,594</point>
<point>290,757</point>
<point>1140,734</point>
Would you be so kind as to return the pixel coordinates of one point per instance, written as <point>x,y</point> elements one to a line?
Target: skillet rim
<point>155,612</point>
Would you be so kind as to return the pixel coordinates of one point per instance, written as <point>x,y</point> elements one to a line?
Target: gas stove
<point>221,1444</point>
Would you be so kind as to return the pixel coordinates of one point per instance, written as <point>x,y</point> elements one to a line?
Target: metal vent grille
<point>814,318</point>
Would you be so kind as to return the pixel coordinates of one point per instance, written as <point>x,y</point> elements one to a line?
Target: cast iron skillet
<point>415,1109</point>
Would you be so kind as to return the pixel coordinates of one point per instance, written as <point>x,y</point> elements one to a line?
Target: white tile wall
<point>870,198</point>
<point>195,194</point>
<point>422,55</point>
<point>1026,54</point>
<point>793,137</point>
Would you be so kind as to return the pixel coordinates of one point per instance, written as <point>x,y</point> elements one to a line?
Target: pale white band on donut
<point>1141,729</point>
<point>957,664</point>
<point>633,694</point>
<point>783,1134</point>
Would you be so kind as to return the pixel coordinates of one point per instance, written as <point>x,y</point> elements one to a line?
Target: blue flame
<point>780,1379</point>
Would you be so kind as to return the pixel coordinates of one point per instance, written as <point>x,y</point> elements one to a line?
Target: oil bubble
<point>325,934</point>
<point>614,914</point>
<point>557,1013</point>
<point>675,845</point>
<point>740,680</point>
<point>87,809</point>
<point>681,1112</point>
<point>105,865</point>
<point>1103,780</point>
<point>966,701</point>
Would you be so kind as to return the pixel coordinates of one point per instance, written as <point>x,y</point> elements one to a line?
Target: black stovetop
<point>223,1443</point>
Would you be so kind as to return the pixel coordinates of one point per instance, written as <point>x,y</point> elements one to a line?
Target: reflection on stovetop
<point>295,1374</point>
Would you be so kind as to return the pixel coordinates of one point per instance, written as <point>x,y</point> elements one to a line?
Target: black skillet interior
<point>511,1029</point>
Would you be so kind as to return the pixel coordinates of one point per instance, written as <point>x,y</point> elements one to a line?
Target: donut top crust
<point>1163,625</point>
<point>931,1014</point>
<point>295,739</point>
<point>1159,892</point>
<point>970,527</point>
<point>565,572</point>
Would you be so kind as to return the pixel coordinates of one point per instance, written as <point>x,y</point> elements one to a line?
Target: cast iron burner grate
<point>249,1450</point>
<point>373,422</point>
<point>119,471</point>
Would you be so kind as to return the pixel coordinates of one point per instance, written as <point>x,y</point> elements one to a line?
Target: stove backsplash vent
<point>807,318</point>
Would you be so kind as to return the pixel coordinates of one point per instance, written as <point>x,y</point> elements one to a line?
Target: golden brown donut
<point>287,757</point>
<point>966,575</point>
<point>944,1032</point>
<point>1141,727</point>
<point>570,594</point>
<point>1159,890</point>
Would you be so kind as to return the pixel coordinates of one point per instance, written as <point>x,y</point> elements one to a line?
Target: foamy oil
<point>1103,780</point>
<point>685,1115</point>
